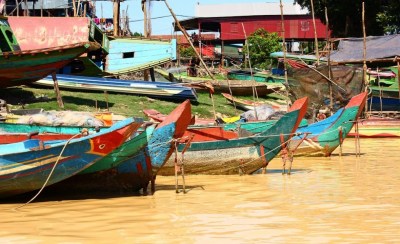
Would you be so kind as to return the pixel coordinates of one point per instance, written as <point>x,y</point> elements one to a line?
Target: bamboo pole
<point>284,53</point>
<point>251,73</point>
<point>329,60</point>
<point>315,32</point>
<point>185,34</point>
<point>364,54</point>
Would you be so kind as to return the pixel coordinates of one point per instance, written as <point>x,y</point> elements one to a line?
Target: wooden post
<point>153,77</point>
<point>26,11</point>
<point>74,7</point>
<point>284,53</point>
<point>84,10</point>
<point>17,5</point>
<point>315,32</point>
<point>222,54</point>
<point>57,90</point>
<point>145,24</point>
<point>116,17</point>
<point>5,8</point>
<point>146,34</point>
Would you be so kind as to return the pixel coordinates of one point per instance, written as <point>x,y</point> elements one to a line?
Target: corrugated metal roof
<point>247,9</point>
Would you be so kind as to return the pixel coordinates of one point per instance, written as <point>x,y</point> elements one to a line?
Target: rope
<point>51,173</point>
<point>262,155</point>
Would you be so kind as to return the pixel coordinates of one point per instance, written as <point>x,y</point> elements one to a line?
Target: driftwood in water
<point>303,82</point>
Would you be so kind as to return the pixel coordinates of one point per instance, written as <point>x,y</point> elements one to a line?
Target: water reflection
<point>324,200</point>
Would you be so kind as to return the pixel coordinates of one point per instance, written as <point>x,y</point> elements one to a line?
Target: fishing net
<point>67,118</point>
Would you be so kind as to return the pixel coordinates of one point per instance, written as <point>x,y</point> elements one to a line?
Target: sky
<point>161,17</point>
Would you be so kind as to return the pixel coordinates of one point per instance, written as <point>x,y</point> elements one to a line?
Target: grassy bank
<point>128,105</point>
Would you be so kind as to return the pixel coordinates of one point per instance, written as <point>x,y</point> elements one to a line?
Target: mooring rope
<point>51,172</point>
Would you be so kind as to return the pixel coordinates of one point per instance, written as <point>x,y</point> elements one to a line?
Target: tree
<point>260,44</point>
<point>345,17</point>
<point>137,34</point>
<point>187,52</point>
<point>389,17</point>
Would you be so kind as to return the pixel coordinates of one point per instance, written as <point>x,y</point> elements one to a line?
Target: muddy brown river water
<point>344,199</point>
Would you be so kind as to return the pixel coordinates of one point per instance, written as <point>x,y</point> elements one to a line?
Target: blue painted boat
<point>376,103</point>
<point>326,135</point>
<point>125,55</point>
<point>133,167</point>
<point>26,165</point>
<point>163,90</point>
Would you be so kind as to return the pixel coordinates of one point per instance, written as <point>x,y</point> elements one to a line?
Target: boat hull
<point>132,166</point>
<point>165,90</point>
<point>25,166</point>
<point>224,152</point>
<point>25,67</point>
<point>326,135</point>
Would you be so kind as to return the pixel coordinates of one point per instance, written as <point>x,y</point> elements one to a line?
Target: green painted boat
<point>214,150</point>
<point>323,137</point>
<point>269,78</point>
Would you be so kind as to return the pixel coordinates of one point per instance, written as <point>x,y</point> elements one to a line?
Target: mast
<point>284,53</point>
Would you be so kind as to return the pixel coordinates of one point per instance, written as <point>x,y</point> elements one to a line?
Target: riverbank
<point>122,104</point>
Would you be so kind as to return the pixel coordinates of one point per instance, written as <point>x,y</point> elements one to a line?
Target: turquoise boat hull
<point>25,166</point>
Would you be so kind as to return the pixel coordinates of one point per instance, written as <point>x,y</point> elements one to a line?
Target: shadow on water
<point>279,171</point>
<point>351,154</point>
<point>50,196</point>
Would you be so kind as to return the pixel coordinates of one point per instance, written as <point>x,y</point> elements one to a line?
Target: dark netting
<point>308,82</point>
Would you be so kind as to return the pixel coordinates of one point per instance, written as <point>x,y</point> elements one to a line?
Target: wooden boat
<point>236,87</point>
<point>214,150</point>
<point>136,162</point>
<point>164,90</point>
<point>19,67</point>
<point>249,105</point>
<point>385,98</point>
<point>117,55</point>
<point>25,166</point>
<point>126,55</point>
<point>323,137</point>
<point>273,80</point>
<point>377,127</point>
